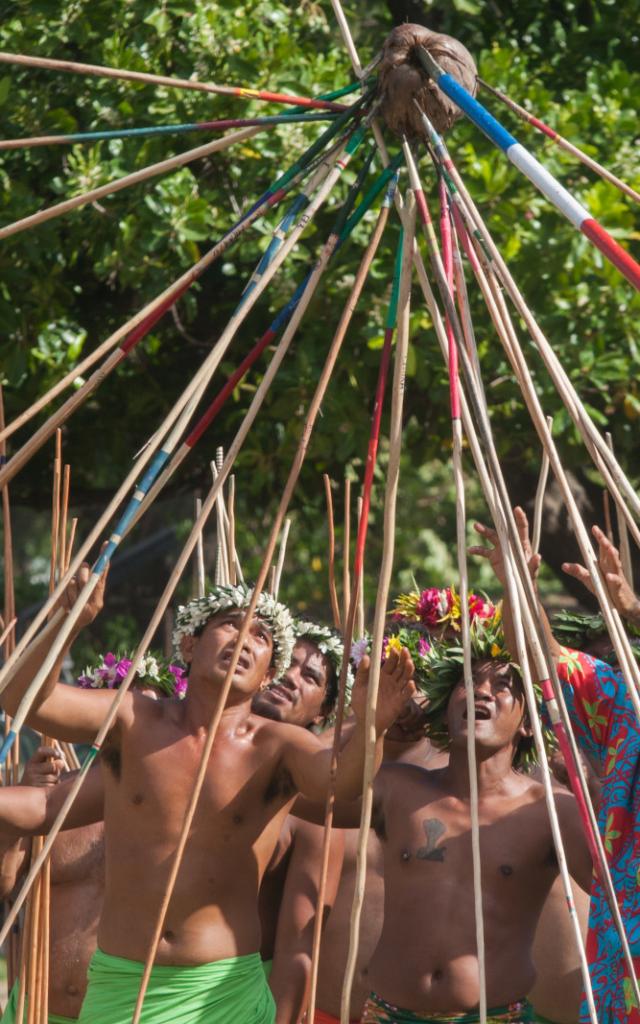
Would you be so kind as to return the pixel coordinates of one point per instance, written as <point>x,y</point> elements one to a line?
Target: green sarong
<point>11,1009</point>
<point>378,1011</point>
<point>267,967</point>
<point>232,991</point>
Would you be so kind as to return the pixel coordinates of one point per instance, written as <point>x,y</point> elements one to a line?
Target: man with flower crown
<point>207,963</point>
<point>77,855</point>
<point>425,966</point>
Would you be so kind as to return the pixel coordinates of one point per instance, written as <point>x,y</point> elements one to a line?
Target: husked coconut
<point>401,79</point>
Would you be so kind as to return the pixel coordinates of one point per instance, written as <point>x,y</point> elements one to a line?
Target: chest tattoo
<point>434,830</point>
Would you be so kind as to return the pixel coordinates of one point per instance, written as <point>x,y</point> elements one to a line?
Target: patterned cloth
<point>377,1011</point>
<point>607,730</point>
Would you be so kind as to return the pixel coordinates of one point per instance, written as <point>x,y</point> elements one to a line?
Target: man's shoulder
<point>395,775</point>
<point>268,731</point>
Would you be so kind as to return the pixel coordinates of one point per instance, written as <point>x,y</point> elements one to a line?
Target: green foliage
<point>68,284</point>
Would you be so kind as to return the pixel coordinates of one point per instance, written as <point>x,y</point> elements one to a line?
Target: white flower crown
<point>196,614</point>
<point>329,643</point>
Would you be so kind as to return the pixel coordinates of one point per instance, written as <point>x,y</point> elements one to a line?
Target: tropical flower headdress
<point>329,642</point>
<point>575,629</point>
<point>193,616</point>
<point>436,606</point>
<point>446,668</point>
<point>153,670</point>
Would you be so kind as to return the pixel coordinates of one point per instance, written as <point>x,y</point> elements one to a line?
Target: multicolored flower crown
<point>436,606</point>
<point>153,670</point>
<point>446,671</point>
<point>276,616</point>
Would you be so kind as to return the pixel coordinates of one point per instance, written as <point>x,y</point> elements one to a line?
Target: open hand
<point>495,555</point>
<point>395,688</point>
<point>44,768</point>
<point>618,587</point>
<point>94,605</point>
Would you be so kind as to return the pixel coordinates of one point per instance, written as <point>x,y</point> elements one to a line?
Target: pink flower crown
<point>439,607</point>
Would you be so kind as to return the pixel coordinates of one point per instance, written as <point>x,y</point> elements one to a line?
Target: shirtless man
<point>77,856</point>
<point>606,729</point>
<point>77,885</point>
<point>207,959</point>
<point>305,696</point>
<point>405,742</point>
<point>426,961</point>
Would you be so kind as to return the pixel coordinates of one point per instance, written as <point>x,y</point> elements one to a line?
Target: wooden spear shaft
<point>461,545</point>
<point>152,171</point>
<point>262,576</point>
<point>545,665</point>
<point>195,388</point>
<point>382,599</point>
<point>538,506</point>
<point>491,494</point>
<point>186,553</point>
<point>358,286</point>
<point>333,593</point>
<point>102,71</point>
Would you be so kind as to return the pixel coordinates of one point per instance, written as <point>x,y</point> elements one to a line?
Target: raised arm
<point>60,710</point>
<point>618,587</point>
<point>308,760</point>
<point>31,810</point>
<point>294,938</point>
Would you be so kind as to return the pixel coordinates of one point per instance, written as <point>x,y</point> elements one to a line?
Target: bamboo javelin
<point>141,322</point>
<point>618,635</point>
<point>222,554</point>
<point>102,71</point>
<point>563,729</point>
<point>346,549</point>
<point>199,574</point>
<point>491,496</point>
<point>538,505</point>
<point>607,464</point>
<point>539,176</point>
<point>562,142</point>
<point>461,544</point>
<point>382,600</point>
<point>281,553</point>
<point>518,363</point>
<point>167,593</point>
<point>357,578</point>
<point>162,167</point>
<point>231,529</point>
<point>281,319</point>
<point>164,129</point>
<point>268,557</point>
<point>625,551</point>
<point>347,148</point>
<point>333,593</point>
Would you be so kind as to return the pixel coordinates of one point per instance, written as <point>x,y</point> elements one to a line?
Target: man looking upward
<point>207,960</point>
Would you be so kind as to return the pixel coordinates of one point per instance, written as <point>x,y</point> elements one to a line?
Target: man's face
<point>209,654</point>
<point>299,696</point>
<point>499,708</point>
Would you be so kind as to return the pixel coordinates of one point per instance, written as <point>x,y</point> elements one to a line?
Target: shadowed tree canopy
<point>70,282</point>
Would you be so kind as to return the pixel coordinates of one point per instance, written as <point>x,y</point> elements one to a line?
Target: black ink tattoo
<point>434,831</point>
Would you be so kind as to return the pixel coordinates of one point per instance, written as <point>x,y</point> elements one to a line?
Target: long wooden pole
<point>382,599</point>
<point>260,582</point>
<point>333,593</point>
<point>138,325</point>
<point>102,71</point>
<point>128,180</point>
<point>187,401</point>
<point>493,495</point>
<point>208,504</point>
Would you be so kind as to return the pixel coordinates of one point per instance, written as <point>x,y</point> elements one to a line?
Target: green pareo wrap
<point>11,1009</point>
<point>233,990</point>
